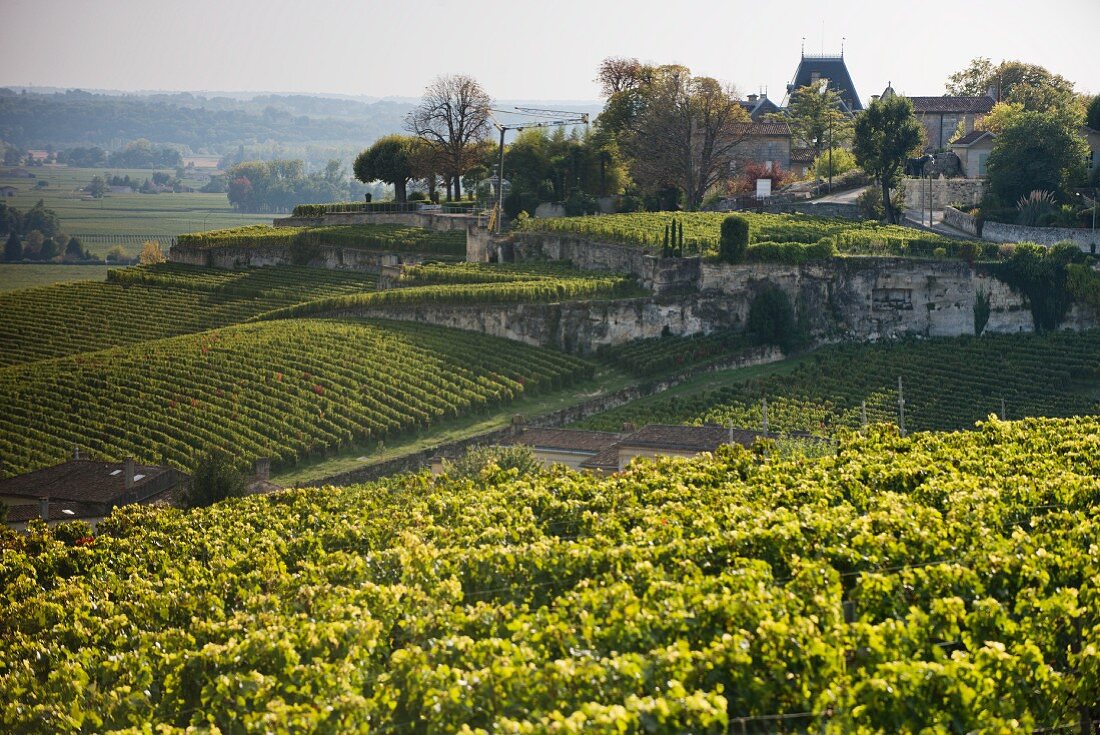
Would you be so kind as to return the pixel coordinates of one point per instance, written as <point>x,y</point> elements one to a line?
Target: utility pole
<point>901,407</point>
<point>563,117</point>
<point>1004,413</point>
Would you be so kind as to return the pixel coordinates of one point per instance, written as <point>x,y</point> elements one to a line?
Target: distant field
<point>136,216</point>
<point>16,276</point>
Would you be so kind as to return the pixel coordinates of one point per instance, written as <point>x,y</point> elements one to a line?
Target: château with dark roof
<point>812,68</point>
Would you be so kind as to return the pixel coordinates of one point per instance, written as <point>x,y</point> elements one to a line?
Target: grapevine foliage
<point>936,583</point>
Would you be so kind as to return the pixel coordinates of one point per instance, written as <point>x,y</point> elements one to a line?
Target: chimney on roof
<point>128,473</point>
<point>753,97</point>
<point>261,468</point>
<point>44,508</point>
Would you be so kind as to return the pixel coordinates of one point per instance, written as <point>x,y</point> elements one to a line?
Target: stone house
<point>766,143</point>
<point>941,117</point>
<point>85,489</point>
<point>973,150</point>
<point>8,191</point>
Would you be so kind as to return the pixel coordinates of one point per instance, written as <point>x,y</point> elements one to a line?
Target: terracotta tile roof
<point>972,137</point>
<point>567,440</point>
<point>88,481</point>
<point>980,105</point>
<point>688,438</point>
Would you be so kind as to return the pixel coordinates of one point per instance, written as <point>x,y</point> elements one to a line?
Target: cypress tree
<point>13,248</point>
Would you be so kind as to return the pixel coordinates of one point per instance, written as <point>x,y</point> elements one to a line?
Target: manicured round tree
<point>734,242</point>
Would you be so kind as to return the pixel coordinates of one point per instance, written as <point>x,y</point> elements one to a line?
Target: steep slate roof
<point>945,104</point>
<point>759,107</point>
<point>688,438</point>
<point>832,68</point>
<point>567,440</point>
<point>972,137</point>
<point>82,481</point>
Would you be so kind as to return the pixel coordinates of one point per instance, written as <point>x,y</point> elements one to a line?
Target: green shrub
<point>734,239</point>
<point>479,458</point>
<point>843,162</point>
<point>214,477</point>
<point>771,319</point>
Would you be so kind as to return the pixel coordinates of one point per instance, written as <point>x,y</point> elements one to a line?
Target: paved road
<point>842,197</point>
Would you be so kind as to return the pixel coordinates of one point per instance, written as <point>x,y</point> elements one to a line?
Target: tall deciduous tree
<point>452,117</point>
<point>1029,85</point>
<point>815,117</point>
<point>885,134</point>
<point>13,248</point>
<point>682,131</point>
<point>1035,150</point>
<point>391,159</point>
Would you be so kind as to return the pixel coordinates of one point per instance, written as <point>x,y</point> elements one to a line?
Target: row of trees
<point>279,185</point>
<point>36,246</point>
<point>674,138</point>
<point>137,154</point>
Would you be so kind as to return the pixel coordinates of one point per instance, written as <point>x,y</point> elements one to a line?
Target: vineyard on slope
<point>285,390</point>
<point>358,237</point>
<point>936,583</point>
<point>152,302</point>
<point>947,384</point>
<point>702,230</point>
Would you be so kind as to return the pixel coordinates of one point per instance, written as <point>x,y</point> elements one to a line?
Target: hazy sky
<point>525,50</point>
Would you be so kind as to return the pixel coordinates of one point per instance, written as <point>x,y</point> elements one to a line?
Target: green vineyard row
<point>646,357</point>
<point>702,230</point>
<point>947,384</point>
<point>541,290</point>
<point>941,583</point>
<point>152,302</point>
<point>284,390</point>
<point>292,283</point>
<point>360,237</point>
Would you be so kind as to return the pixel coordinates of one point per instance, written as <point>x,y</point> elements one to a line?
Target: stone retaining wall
<point>428,220</point>
<point>1087,240</point>
<point>336,258</point>
<point>944,192</point>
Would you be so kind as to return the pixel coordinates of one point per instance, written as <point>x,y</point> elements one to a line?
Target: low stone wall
<point>1087,240</point>
<point>428,220</point>
<point>960,221</point>
<point>258,257</point>
<point>562,417</point>
<point>944,192</point>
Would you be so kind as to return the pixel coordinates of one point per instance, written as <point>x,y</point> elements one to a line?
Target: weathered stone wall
<point>944,192</point>
<point>336,258</point>
<point>1087,240</point>
<point>428,220</point>
<point>659,275</point>
<point>845,299</point>
<point>579,327</point>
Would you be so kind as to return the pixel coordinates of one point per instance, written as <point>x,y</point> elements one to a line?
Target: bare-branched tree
<point>687,133</point>
<point>452,117</point>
